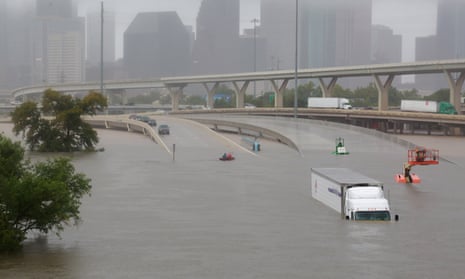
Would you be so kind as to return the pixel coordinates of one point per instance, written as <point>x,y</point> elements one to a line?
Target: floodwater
<point>153,214</point>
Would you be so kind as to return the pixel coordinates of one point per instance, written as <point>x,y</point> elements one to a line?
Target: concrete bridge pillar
<point>175,93</point>
<point>279,92</point>
<point>455,85</point>
<point>327,90</point>
<point>383,91</point>
<point>240,93</point>
<point>124,97</point>
<point>211,93</point>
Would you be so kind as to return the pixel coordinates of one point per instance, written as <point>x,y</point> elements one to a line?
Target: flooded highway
<point>155,215</point>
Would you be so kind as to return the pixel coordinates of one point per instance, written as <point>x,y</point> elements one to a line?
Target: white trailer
<point>419,105</point>
<point>337,103</point>
<point>354,195</point>
<point>427,106</point>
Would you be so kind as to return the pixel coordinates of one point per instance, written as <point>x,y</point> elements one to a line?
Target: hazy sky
<point>410,18</point>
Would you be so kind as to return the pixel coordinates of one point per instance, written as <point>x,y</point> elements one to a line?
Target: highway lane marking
<point>230,141</point>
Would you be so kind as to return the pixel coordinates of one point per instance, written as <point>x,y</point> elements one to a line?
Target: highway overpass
<point>383,76</point>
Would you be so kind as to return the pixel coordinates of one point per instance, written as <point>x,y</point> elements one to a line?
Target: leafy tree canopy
<point>43,197</point>
<point>63,130</point>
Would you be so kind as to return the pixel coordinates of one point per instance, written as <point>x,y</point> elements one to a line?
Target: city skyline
<point>385,12</point>
<point>331,34</point>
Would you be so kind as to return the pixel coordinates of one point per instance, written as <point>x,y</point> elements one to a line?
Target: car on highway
<point>152,122</point>
<point>163,129</point>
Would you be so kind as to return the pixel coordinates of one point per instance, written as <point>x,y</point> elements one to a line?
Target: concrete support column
<point>211,93</point>
<point>279,92</point>
<point>175,93</point>
<point>240,93</point>
<point>383,91</point>
<point>455,86</point>
<point>124,97</point>
<point>327,90</point>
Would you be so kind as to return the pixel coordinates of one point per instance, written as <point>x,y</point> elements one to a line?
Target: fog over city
<point>219,36</point>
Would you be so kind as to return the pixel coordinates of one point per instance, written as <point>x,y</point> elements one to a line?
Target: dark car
<point>163,129</point>
<point>152,122</point>
<point>143,118</point>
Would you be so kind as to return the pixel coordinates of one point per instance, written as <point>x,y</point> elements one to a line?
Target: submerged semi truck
<point>427,106</point>
<point>329,102</point>
<point>354,195</point>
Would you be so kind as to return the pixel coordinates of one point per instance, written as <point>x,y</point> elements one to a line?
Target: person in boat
<point>229,156</point>
<point>407,176</point>
<point>224,157</point>
<point>420,155</point>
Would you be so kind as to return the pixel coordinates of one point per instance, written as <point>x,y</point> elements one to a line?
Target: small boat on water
<point>227,157</point>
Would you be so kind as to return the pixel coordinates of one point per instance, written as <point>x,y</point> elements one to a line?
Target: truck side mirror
<point>396,217</point>
<point>347,217</point>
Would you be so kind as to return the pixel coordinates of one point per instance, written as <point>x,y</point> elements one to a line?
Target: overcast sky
<point>410,18</point>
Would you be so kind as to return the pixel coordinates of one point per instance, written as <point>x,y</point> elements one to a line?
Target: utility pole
<point>255,21</point>
<point>296,55</point>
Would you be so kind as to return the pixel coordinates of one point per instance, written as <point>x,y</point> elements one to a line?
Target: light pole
<point>296,55</point>
<point>101,48</point>
<point>255,21</point>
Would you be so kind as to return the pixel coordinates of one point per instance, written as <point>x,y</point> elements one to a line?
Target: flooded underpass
<point>155,215</point>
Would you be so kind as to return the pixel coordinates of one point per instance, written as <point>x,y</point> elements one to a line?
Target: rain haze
<point>234,36</point>
<point>167,205</point>
<point>396,14</point>
<point>125,11</point>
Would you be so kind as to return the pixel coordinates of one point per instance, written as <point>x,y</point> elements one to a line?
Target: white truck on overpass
<point>329,102</point>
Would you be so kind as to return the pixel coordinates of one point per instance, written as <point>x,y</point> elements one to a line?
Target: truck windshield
<point>372,216</point>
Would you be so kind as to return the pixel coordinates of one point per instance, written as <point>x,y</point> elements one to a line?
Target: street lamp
<point>101,48</point>
<point>255,21</point>
<point>296,54</point>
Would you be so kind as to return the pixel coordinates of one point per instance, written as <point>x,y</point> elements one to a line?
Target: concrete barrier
<point>247,129</point>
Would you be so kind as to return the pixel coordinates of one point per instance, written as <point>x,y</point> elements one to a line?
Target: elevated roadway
<point>385,121</point>
<point>383,76</point>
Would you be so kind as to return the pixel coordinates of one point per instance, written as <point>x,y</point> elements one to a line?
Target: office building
<point>386,47</point>
<point>58,43</point>
<point>93,27</point>
<point>277,27</point>
<point>448,43</point>
<point>156,44</point>
<point>216,48</point>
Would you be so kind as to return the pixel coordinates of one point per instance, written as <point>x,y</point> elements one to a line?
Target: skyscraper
<point>448,43</point>
<point>156,44</point>
<point>386,47</point>
<point>335,33</point>
<point>277,27</point>
<point>15,54</point>
<point>59,42</point>
<point>55,8</point>
<point>3,45</point>
<point>216,48</point>
<point>93,37</point>
<point>450,29</point>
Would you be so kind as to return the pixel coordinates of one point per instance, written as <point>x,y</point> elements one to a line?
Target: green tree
<point>365,96</point>
<point>228,99</point>
<point>442,95</point>
<point>411,95</point>
<point>43,197</point>
<point>147,98</point>
<point>64,130</point>
<point>194,100</point>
